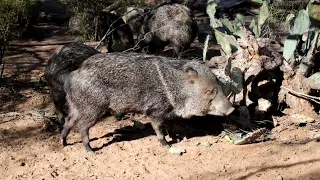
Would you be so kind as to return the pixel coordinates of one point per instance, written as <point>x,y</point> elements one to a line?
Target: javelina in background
<point>134,18</point>
<point>168,24</point>
<point>64,60</point>
<point>160,87</point>
<point>120,37</point>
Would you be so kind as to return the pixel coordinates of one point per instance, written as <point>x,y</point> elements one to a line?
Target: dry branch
<point>306,96</point>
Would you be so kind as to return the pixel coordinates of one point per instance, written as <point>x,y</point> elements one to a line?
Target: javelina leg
<point>177,51</point>
<point>110,43</point>
<point>172,135</point>
<point>59,110</point>
<point>84,125</point>
<point>58,101</point>
<point>84,131</point>
<point>68,124</point>
<point>157,126</point>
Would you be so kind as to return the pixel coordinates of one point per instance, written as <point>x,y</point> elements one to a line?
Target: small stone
<point>176,150</point>
<point>93,177</point>
<point>279,178</point>
<point>54,174</point>
<point>263,104</point>
<point>207,144</point>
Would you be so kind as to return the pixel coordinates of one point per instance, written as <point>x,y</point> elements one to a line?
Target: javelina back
<point>160,87</point>
<point>64,60</point>
<point>168,24</point>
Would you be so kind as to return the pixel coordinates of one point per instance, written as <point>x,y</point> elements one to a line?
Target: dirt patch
<point>29,151</point>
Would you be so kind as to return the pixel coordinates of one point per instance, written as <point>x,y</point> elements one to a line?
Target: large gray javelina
<point>160,87</point>
<point>64,60</point>
<point>168,24</point>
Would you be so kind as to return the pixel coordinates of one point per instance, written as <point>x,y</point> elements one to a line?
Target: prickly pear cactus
<point>211,11</point>
<point>263,16</point>
<point>301,25</point>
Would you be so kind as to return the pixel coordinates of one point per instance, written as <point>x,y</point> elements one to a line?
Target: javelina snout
<point>221,106</point>
<point>160,87</point>
<point>210,98</point>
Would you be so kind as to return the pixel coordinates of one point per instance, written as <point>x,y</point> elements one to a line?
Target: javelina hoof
<point>178,138</point>
<point>164,143</point>
<point>175,138</point>
<point>63,142</point>
<point>88,148</point>
<point>177,150</point>
<point>90,151</point>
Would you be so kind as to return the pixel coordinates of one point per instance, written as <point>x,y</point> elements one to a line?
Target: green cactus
<point>211,11</point>
<point>225,36</point>
<point>233,28</point>
<point>254,28</point>
<point>263,16</point>
<point>230,27</point>
<point>301,25</point>
<point>240,18</point>
<point>222,40</point>
<point>289,48</point>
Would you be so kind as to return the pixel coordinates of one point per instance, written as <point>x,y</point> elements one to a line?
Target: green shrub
<point>14,17</point>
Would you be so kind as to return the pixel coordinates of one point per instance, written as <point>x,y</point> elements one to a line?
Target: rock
<point>301,119</point>
<point>279,178</point>
<point>177,150</point>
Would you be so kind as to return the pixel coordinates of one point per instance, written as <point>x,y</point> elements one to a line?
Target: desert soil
<point>30,149</point>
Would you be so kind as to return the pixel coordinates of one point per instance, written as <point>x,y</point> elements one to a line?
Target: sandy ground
<point>28,150</point>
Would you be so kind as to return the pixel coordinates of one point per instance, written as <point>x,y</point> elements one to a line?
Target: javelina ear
<point>191,73</point>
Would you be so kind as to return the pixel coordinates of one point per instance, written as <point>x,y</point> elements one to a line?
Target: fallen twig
<point>311,98</point>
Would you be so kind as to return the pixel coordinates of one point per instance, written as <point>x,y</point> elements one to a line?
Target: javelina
<point>134,18</point>
<point>168,24</point>
<point>160,87</point>
<point>119,37</point>
<point>64,60</point>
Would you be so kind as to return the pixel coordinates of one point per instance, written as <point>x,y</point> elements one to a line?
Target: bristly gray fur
<point>169,24</point>
<point>160,87</point>
<point>64,60</point>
